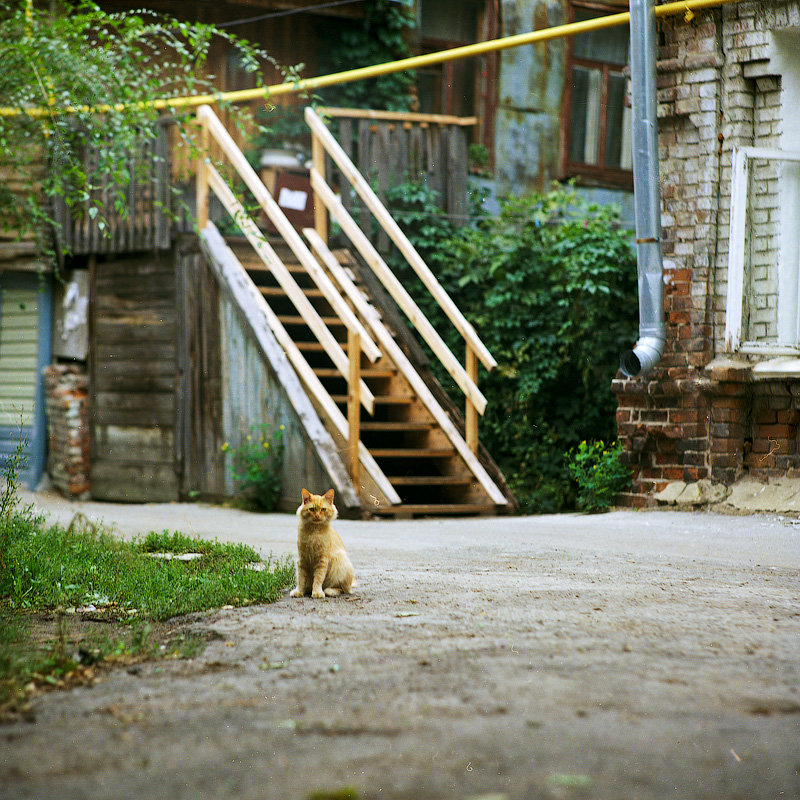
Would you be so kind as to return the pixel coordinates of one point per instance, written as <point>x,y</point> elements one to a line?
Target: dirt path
<point>627,655</point>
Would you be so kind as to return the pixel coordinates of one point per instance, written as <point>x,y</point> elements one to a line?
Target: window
<point>596,123</point>
<point>447,88</point>
<point>762,313</point>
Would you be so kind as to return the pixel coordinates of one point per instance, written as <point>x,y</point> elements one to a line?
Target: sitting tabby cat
<point>323,567</point>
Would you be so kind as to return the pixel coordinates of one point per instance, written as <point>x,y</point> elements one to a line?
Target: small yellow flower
<point>225,447</point>
<point>248,437</point>
<point>283,427</point>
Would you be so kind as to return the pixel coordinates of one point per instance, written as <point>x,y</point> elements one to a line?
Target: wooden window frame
<point>739,216</point>
<point>595,174</point>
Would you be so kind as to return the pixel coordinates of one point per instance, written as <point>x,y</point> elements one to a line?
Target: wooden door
<point>133,379</point>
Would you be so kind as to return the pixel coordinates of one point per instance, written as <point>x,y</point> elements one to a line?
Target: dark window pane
<point>609,45</point>
<point>616,120</point>
<point>585,116</point>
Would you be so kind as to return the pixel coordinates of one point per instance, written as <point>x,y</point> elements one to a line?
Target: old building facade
<point>724,402</point>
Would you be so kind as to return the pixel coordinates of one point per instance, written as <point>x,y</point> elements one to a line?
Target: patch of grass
<point>51,576</point>
<point>82,567</point>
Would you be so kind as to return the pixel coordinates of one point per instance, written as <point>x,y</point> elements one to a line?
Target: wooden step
<point>276,291</point>
<point>434,509</point>
<point>315,347</point>
<point>407,425</point>
<point>291,319</point>
<point>366,372</point>
<point>428,480</point>
<point>412,452</point>
<point>384,400</point>
<point>255,264</point>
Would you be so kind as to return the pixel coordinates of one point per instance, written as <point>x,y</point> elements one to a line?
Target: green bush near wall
<point>550,285</point>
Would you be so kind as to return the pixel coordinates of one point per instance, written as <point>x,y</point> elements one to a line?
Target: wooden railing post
<point>471,413</point>
<point>320,212</point>
<point>353,404</point>
<point>202,175</point>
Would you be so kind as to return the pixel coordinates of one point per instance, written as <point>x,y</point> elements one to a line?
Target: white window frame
<point>736,252</point>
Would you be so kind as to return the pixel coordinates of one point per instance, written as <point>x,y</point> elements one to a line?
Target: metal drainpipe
<point>652,331</point>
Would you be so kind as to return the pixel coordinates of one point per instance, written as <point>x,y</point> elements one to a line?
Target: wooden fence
<point>146,221</point>
<point>390,148</point>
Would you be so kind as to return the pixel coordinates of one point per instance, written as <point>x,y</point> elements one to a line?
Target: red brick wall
<point>699,414</point>
<point>67,397</point>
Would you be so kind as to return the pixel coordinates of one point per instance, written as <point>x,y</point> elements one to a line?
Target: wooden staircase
<point>417,458</point>
<point>407,449</point>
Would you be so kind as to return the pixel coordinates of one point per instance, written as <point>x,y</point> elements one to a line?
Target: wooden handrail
<point>407,370</point>
<point>284,278</point>
<point>397,116</point>
<point>353,405</point>
<point>236,277</point>
<point>371,200</point>
<point>275,214</point>
<point>395,288</point>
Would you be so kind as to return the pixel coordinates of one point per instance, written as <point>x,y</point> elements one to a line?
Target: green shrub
<point>256,466</point>
<point>550,285</point>
<point>599,474</point>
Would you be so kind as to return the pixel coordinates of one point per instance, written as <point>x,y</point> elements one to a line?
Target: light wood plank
<point>397,116</point>
<point>365,192</point>
<point>285,228</point>
<point>353,405</point>
<point>283,276</point>
<point>398,292</point>
<point>247,292</point>
<point>471,414</point>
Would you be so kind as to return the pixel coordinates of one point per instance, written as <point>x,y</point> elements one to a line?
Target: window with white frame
<point>763,301</point>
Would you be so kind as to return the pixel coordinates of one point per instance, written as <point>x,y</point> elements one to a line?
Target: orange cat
<point>323,567</point>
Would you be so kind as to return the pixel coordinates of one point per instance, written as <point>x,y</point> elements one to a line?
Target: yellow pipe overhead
<point>414,62</point>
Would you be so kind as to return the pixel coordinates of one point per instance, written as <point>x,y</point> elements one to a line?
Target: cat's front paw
<point>317,593</point>
<point>295,593</point>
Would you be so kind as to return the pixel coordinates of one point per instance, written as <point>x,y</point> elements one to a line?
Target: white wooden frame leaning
<point>742,156</point>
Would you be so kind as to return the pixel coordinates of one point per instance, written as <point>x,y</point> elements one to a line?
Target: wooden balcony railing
<point>146,223</point>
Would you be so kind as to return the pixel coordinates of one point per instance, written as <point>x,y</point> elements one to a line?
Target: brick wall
<point>67,396</point>
<point>700,414</point>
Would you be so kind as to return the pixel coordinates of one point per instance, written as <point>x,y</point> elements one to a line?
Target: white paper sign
<point>294,199</point>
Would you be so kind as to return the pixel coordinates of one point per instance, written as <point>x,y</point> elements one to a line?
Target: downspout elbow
<point>645,355</point>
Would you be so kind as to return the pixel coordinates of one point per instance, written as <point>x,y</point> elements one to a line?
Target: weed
<point>256,466</point>
<point>599,474</point>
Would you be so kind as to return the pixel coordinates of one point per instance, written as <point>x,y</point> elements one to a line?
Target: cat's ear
<point>328,496</point>
<point>305,494</point>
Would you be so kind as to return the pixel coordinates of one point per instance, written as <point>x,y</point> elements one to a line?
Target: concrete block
<point>701,493</point>
<point>669,495</point>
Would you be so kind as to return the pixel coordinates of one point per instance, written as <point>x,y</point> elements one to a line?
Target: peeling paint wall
<point>530,97</point>
<point>530,89</point>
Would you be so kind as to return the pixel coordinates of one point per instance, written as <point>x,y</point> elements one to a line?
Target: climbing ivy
<point>550,286</point>
<point>376,39</point>
<point>75,76</point>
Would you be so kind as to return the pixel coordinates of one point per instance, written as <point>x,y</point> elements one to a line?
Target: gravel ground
<point>625,655</point>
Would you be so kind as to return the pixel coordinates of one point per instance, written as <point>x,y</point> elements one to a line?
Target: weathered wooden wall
<point>389,153</point>
<point>133,378</point>
<point>200,369</point>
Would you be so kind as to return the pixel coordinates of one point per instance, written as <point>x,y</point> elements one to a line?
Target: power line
<point>286,13</point>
